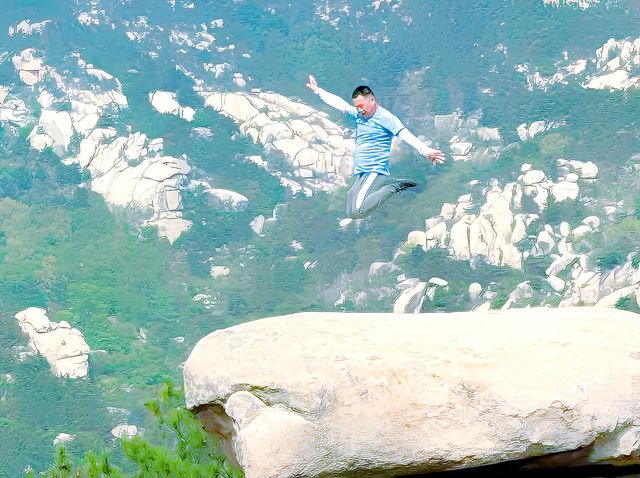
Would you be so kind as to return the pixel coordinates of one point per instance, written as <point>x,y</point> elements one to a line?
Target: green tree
<point>187,451</point>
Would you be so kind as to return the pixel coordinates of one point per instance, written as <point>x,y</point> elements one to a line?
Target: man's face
<point>366,104</point>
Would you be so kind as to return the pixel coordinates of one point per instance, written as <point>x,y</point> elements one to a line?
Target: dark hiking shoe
<point>402,184</point>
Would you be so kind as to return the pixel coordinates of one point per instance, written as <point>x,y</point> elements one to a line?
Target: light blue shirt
<point>373,135</point>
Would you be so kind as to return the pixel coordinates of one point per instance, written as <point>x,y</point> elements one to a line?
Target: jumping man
<point>375,129</point>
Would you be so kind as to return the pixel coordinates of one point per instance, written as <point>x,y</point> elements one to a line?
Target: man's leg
<point>370,190</point>
<point>352,193</point>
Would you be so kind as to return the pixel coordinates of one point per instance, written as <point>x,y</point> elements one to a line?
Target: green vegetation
<point>619,239</point>
<point>178,447</point>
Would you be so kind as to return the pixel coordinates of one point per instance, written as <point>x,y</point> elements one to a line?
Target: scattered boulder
<point>25,27</point>
<point>565,190</point>
<point>30,69</point>
<point>57,125</point>
<point>475,289</point>
<point>63,438</point>
<point>526,132</point>
<point>437,281</point>
<point>488,134</point>
<point>165,102</point>
<point>219,271</point>
<point>584,170</point>
<point>460,148</point>
<point>533,176</point>
<point>63,346</point>
<point>411,299</point>
<point>227,200</point>
<point>257,224</point>
<point>128,431</point>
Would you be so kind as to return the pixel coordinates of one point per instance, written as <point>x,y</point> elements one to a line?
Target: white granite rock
<point>612,299</point>
<point>417,238</point>
<point>539,194</point>
<point>15,111</point>
<point>558,265</point>
<point>526,132</point>
<point>521,292</point>
<point>488,134</point>
<point>239,80</point>
<point>436,236</point>
<point>617,80</point>
<point>257,224</point>
<point>57,125</point>
<point>128,431</point>
<point>30,69</point>
<point>63,438</point>
<point>556,283</point>
<point>227,200</point>
<point>378,267</point>
<point>126,171</point>
<point>438,281</point>
<point>170,228</point>
<point>475,289</point>
<point>219,271</point>
<point>533,176</point>
<point>585,170</point>
<point>63,346</point>
<point>411,299</point>
<point>352,387</point>
<point>40,141</point>
<point>565,190</point>
<point>25,27</point>
<point>460,148</point>
<point>151,183</point>
<point>592,221</point>
<point>459,237</point>
<point>447,211</point>
<point>165,102</point>
<point>581,231</point>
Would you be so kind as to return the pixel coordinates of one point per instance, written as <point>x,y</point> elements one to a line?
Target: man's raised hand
<point>312,84</point>
<point>436,157</point>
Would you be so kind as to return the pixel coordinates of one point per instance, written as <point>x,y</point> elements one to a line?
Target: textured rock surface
<point>328,393</point>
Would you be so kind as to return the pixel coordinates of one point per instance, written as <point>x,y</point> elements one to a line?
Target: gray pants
<point>367,192</point>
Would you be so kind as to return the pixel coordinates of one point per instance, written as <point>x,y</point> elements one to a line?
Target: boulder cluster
<point>130,171</point>
<point>493,233</point>
<point>618,65</point>
<point>615,66</point>
<point>492,230</point>
<point>467,140</point>
<point>313,145</point>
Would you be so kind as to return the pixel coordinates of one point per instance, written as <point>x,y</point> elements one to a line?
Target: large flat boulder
<point>326,394</point>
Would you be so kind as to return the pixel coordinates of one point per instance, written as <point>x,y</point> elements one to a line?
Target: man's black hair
<point>362,90</point>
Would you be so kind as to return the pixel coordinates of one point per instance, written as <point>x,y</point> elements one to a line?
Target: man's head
<point>364,99</point>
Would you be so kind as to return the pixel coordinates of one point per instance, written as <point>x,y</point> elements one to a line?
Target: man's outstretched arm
<point>331,99</point>
<point>435,155</point>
